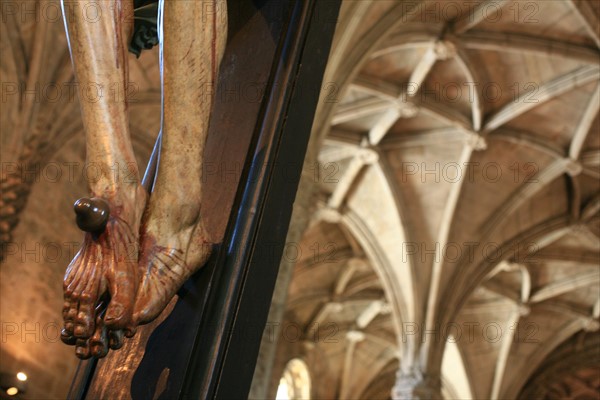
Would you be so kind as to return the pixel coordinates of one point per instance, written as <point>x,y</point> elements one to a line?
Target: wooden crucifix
<point>206,342</point>
<point>139,247</point>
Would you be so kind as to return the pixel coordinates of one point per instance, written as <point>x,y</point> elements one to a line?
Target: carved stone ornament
<point>139,247</point>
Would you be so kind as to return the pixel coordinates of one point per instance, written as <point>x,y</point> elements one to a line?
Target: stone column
<point>414,385</point>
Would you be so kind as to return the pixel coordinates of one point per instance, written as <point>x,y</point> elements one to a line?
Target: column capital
<point>415,385</point>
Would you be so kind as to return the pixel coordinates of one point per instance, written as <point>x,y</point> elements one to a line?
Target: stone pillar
<point>415,385</point>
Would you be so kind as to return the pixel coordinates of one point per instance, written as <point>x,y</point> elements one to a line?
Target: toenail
<point>85,298</point>
<point>80,330</point>
<point>82,353</point>
<point>81,349</point>
<point>67,338</point>
<point>83,316</point>
<point>98,350</point>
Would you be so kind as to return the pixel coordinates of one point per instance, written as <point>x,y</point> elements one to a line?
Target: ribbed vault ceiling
<point>461,153</point>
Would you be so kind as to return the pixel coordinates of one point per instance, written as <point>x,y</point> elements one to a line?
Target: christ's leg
<point>104,272</point>
<point>174,243</point>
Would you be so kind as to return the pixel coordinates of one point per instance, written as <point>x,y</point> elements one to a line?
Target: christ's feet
<point>101,281</point>
<point>169,255</point>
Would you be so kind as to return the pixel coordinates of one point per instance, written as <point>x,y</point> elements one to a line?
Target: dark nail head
<point>92,214</point>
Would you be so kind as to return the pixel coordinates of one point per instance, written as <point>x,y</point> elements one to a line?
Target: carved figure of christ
<point>139,247</point>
